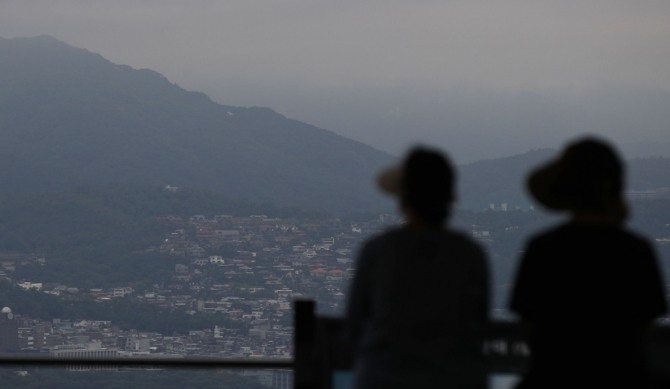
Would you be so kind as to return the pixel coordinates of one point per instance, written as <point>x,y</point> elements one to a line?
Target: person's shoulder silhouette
<point>589,287</point>
<point>420,296</point>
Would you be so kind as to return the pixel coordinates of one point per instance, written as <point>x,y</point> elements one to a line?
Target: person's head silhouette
<point>424,185</point>
<point>587,180</point>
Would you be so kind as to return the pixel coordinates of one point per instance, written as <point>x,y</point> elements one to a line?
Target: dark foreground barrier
<point>321,352</point>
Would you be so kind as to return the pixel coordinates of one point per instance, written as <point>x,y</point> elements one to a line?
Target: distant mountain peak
<point>71,117</point>
<point>36,40</point>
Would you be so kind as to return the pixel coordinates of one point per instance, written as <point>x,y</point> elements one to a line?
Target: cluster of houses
<point>265,261</point>
<point>246,270</point>
<point>102,339</point>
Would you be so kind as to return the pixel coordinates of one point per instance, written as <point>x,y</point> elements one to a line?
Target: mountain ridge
<point>71,117</point>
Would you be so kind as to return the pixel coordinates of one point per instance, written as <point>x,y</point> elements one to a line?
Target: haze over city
<point>141,219</point>
<point>481,79</point>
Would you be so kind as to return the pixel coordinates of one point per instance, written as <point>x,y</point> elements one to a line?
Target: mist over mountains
<point>69,117</point>
<point>473,124</point>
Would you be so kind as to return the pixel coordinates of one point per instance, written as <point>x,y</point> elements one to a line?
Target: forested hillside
<point>69,117</point>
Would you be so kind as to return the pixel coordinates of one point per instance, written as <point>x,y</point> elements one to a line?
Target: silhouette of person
<point>420,296</point>
<point>589,287</point>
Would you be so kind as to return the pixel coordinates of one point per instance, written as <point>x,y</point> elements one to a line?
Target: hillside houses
<point>245,270</point>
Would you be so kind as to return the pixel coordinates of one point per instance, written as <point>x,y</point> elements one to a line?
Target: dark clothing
<point>588,292</point>
<point>417,307</point>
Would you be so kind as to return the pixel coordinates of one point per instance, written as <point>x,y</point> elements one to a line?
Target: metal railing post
<point>304,373</point>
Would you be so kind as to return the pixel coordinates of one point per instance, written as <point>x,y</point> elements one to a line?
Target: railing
<point>181,363</point>
<point>320,351</point>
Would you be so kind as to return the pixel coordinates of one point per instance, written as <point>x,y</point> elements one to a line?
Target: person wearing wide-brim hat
<point>419,300</point>
<point>586,180</point>
<point>589,287</point>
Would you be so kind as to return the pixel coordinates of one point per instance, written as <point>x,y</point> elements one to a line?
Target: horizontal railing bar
<point>198,363</point>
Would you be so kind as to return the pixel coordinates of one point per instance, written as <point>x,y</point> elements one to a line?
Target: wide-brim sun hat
<point>587,176</point>
<point>390,180</point>
<point>543,183</point>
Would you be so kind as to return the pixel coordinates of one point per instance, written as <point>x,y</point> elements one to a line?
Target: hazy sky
<point>286,53</point>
